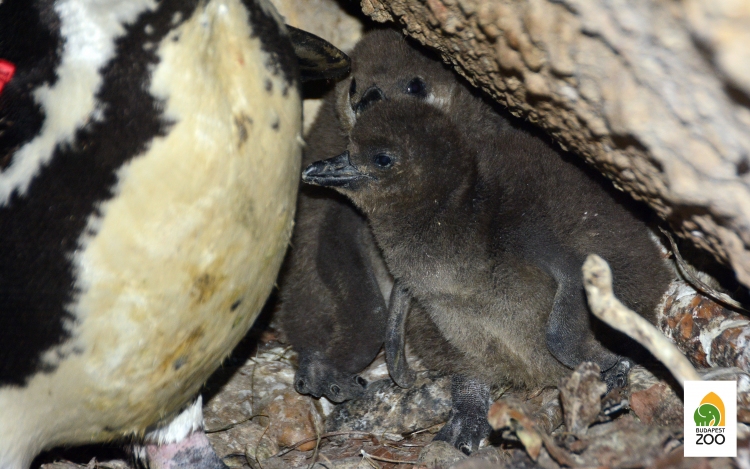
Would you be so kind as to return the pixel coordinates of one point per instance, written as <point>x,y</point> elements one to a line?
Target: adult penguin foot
<point>193,452</point>
<point>180,444</point>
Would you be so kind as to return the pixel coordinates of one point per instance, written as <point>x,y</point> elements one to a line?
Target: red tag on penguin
<point>7,70</point>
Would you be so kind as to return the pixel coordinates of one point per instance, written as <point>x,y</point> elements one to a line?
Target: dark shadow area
<point>737,95</point>
<point>317,89</point>
<point>83,454</point>
<point>353,8</point>
<point>705,262</point>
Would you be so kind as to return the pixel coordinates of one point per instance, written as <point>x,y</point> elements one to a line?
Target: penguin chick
<point>488,230</point>
<point>334,284</point>
<point>333,310</point>
<point>387,66</point>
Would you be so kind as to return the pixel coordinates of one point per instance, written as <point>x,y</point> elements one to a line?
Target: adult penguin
<point>149,158</point>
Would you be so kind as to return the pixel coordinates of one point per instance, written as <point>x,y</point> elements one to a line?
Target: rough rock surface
<point>387,408</point>
<point>440,453</point>
<point>258,412</point>
<point>252,393</point>
<point>655,94</point>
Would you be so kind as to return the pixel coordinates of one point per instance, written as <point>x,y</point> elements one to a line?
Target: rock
<point>581,395</point>
<point>346,463</point>
<point>294,418</point>
<point>247,438</point>
<point>262,389</point>
<point>488,457</point>
<point>440,454</point>
<point>658,405</point>
<point>275,463</point>
<point>378,369</point>
<point>387,408</point>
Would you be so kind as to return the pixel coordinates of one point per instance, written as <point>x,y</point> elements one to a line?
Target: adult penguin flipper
<point>317,58</point>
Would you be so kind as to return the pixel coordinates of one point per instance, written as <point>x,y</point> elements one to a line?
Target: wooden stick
<point>688,273</point>
<point>392,461</point>
<point>325,435</point>
<point>597,279</point>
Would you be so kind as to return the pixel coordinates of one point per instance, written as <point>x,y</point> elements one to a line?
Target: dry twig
<point>597,278</point>
<point>691,277</point>
<point>317,444</point>
<point>392,461</point>
<point>366,458</point>
<point>325,435</point>
<point>230,426</point>
<point>257,445</point>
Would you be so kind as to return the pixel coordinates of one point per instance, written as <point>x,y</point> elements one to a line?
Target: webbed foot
<point>317,378</point>
<point>180,443</point>
<point>193,452</point>
<point>467,425</point>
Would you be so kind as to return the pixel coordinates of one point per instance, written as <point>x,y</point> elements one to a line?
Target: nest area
<point>582,74</point>
<point>255,418</point>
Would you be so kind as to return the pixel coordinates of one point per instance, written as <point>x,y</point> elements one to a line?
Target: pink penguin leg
<point>180,444</point>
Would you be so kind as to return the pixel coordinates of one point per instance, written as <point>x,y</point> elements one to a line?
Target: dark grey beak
<point>317,58</point>
<point>333,172</point>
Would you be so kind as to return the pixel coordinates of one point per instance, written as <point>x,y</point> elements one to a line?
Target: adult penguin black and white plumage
<point>149,158</point>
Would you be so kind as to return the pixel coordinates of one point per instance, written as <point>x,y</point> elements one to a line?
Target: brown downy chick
<point>334,284</point>
<point>333,310</point>
<point>385,66</point>
<point>488,231</point>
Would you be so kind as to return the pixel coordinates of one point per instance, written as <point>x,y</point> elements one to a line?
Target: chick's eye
<point>383,160</point>
<point>352,87</point>
<point>417,87</point>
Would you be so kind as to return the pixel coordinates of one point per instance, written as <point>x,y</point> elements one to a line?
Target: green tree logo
<point>710,412</point>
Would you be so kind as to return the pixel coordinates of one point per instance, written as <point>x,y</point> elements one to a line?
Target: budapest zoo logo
<point>709,420</point>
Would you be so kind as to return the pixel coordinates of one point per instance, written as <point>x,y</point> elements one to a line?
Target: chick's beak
<point>333,172</point>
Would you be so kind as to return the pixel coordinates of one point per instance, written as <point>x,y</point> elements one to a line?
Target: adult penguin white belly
<point>149,159</point>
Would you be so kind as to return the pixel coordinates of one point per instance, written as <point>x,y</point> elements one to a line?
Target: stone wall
<point>654,93</point>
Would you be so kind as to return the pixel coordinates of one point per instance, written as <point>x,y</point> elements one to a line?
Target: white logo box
<point>710,441</point>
